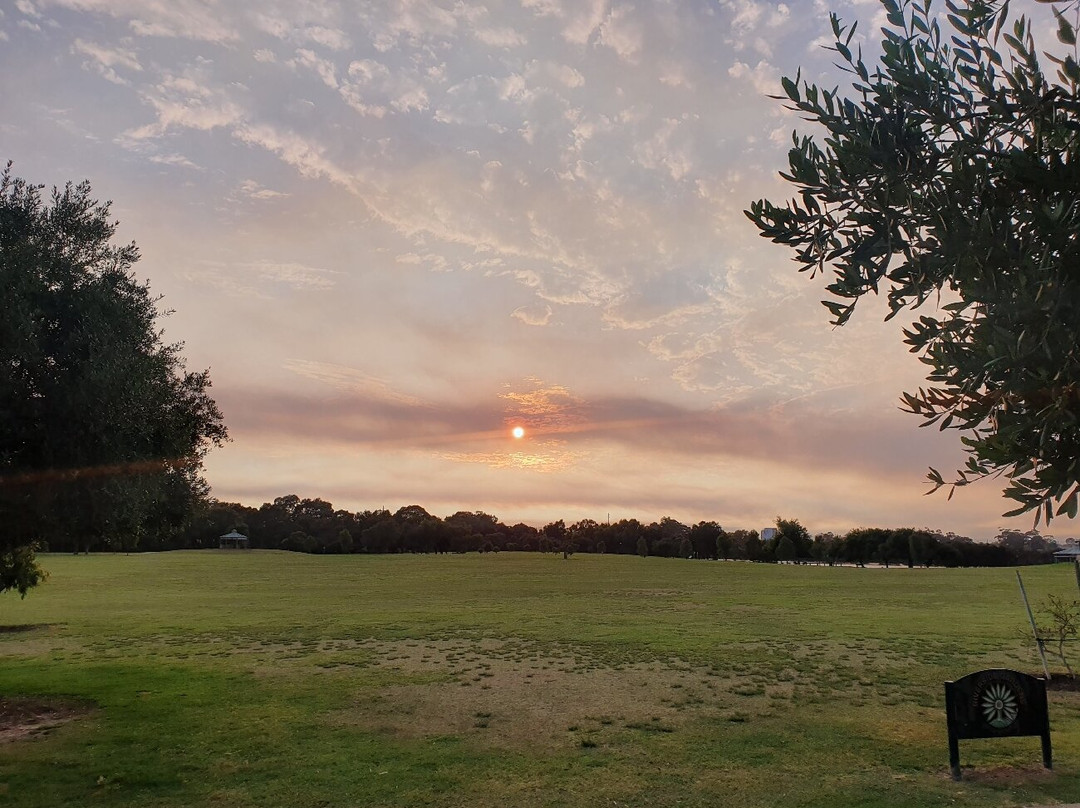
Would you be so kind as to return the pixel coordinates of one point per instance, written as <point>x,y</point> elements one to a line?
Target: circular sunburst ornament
<point>998,704</point>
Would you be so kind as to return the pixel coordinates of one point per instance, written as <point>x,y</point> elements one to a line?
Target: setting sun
<point>518,432</point>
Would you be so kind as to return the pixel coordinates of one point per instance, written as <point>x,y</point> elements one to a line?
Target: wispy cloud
<point>184,19</point>
<point>262,279</point>
<point>105,60</point>
<point>351,380</point>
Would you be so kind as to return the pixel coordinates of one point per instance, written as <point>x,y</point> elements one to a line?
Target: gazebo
<point>233,541</point>
<point>1071,552</point>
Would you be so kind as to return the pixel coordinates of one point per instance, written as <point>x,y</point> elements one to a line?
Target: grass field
<point>272,679</point>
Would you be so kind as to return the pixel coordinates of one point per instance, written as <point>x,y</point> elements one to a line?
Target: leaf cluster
<point>951,174</point>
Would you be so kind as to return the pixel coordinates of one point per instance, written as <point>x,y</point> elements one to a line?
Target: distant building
<point>768,533</point>
<point>233,541</point>
<point>1070,552</point>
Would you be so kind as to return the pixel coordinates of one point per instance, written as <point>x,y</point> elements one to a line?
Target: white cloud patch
<point>174,160</point>
<point>373,89</point>
<point>324,68</point>
<point>330,38</point>
<point>745,14</point>
<point>622,33</point>
<point>180,19</point>
<point>585,19</point>
<point>537,315</point>
<point>662,152</point>
<point>544,8</point>
<point>500,37</point>
<point>763,77</point>
<point>262,279</point>
<point>546,72</point>
<point>250,189</point>
<point>105,60</point>
<point>27,8</point>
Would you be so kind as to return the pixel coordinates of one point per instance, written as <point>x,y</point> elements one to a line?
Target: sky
<point>395,230</point>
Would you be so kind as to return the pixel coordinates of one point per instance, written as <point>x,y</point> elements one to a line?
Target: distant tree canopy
<point>796,534</point>
<point>102,431</point>
<point>952,174</point>
<point>315,526</point>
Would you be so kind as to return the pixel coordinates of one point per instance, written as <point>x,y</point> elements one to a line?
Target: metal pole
<point>1076,569</point>
<point>1034,628</point>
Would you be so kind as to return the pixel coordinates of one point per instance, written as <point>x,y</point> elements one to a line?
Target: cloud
<point>622,34</point>
<point>537,315</point>
<point>373,89</point>
<point>763,77</point>
<point>185,101</point>
<point>182,19</point>
<point>366,412</point>
<point>544,71</point>
<point>323,67</point>
<point>250,189</point>
<point>330,38</point>
<point>27,8</point>
<point>660,152</point>
<point>745,15</point>
<point>351,380</point>
<point>584,22</point>
<point>260,278</point>
<point>545,457</point>
<point>176,160</point>
<point>544,8</point>
<point>104,60</point>
<point>499,37</point>
<point>543,409</point>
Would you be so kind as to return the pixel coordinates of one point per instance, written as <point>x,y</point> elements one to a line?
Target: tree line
<point>315,526</point>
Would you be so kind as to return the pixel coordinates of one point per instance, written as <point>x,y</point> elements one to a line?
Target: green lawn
<point>271,679</point>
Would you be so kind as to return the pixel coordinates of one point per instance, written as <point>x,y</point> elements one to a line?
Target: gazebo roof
<point>233,535</point>
<point>1070,550</point>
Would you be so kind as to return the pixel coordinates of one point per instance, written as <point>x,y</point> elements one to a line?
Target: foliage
<point>324,529</point>
<point>1064,625</point>
<point>794,532</point>
<point>19,570</point>
<point>785,549</point>
<point>954,176</point>
<point>708,540</point>
<point>102,431</point>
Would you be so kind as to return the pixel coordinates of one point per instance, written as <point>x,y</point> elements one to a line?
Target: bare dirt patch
<point>517,696</point>
<point>26,716</point>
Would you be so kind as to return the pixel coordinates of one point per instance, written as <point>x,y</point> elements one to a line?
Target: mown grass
<point>272,679</point>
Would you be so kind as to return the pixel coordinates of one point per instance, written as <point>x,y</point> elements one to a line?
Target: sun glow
<point>518,432</point>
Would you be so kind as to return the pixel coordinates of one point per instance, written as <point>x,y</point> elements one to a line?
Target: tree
<point>1064,625</point>
<point>708,538</point>
<point>799,536</point>
<point>102,430</point>
<point>785,549</point>
<point>954,176</point>
<point>824,547</point>
<point>753,548</point>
